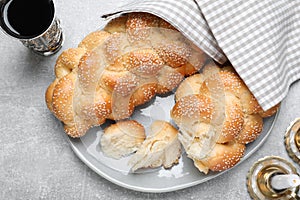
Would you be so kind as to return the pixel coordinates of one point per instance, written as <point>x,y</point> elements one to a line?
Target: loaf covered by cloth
<point>217,116</point>
<point>113,70</point>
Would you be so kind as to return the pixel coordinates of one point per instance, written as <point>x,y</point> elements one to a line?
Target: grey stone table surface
<point>36,161</point>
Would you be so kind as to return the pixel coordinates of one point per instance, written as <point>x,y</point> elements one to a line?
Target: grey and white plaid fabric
<point>261,38</point>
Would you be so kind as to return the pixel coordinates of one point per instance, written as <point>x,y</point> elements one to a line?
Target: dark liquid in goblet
<point>26,19</point>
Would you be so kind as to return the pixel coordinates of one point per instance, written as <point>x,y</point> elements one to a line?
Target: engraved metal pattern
<point>258,179</point>
<point>49,42</point>
<point>292,140</point>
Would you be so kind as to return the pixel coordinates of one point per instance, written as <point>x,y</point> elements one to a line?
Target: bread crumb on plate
<point>122,138</point>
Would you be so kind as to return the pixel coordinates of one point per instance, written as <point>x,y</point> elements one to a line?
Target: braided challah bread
<point>113,70</point>
<point>217,115</point>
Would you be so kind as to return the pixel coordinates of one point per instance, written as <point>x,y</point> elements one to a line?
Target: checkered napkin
<point>261,38</point>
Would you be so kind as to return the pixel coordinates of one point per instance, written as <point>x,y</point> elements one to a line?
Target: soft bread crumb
<point>122,138</point>
<point>161,148</point>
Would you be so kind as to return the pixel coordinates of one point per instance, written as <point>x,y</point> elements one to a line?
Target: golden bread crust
<point>222,157</point>
<point>67,61</point>
<point>93,40</point>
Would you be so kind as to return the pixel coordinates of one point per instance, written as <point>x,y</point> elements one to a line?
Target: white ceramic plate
<point>180,176</point>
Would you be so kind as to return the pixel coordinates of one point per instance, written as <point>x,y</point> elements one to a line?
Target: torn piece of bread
<point>122,138</point>
<point>161,148</point>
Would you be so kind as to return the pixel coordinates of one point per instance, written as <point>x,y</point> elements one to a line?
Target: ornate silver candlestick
<point>273,178</point>
<point>292,140</point>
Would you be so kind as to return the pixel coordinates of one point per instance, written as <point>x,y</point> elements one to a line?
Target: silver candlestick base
<point>260,175</point>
